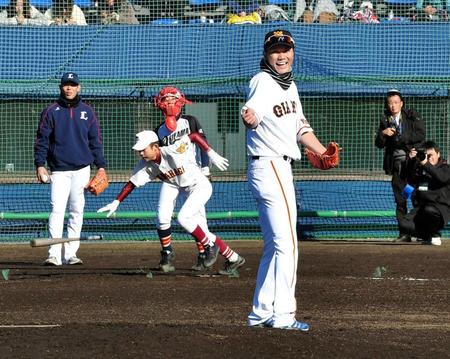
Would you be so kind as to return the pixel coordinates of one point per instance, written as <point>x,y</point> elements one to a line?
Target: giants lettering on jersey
<point>285,108</point>
<point>171,173</point>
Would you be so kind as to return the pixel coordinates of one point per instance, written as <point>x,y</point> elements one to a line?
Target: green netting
<point>342,72</point>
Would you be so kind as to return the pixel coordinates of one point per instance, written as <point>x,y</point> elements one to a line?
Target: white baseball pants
<point>67,187</point>
<point>192,212</point>
<point>271,182</point>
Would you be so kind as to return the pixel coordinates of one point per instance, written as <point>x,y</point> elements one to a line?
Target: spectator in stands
<point>366,14</point>
<point>324,12</point>
<point>400,131</point>
<point>117,12</point>
<point>321,11</point>
<point>432,10</point>
<point>21,12</point>
<point>274,13</point>
<point>249,13</point>
<point>429,177</point>
<point>65,12</point>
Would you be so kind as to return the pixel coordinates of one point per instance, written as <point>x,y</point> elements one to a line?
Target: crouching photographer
<point>429,189</point>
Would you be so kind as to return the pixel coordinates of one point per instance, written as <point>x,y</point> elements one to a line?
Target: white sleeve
<point>5,20</point>
<point>141,176</point>
<point>37,18</point>
<point>48,14</point>
<point>78,16</point>
<point>257,96</point>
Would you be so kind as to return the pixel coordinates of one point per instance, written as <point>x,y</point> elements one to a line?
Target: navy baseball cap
<point>278,37</point>
<point>70,77</point>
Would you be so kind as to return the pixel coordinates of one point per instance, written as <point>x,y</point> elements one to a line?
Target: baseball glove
<point>98,183</point>
<point>328,159</point>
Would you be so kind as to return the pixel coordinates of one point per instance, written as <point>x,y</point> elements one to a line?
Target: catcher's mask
<point>173,109</point>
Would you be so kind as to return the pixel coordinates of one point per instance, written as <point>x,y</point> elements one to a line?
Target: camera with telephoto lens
<point>421,154</point>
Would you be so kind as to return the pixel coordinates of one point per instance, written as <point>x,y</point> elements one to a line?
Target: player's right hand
<point>249,117</point>
<point>111,208</point>
<point>217,160</point>
<point>42,175</point>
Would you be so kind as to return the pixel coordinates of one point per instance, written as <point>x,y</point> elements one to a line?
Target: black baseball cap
<point>71,77</point>
<point>278,37</point>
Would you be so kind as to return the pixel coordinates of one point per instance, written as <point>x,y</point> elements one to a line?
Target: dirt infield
<point>378,300</point>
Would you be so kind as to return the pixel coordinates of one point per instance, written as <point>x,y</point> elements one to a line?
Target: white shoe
<point>51,261</point>
<point>304,327</point>
<point>436,241</point>
<point>74,260</point>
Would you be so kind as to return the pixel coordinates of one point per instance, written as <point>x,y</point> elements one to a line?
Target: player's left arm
<point>319,156</point>
<point>196,127</point>
<point>312,143</point>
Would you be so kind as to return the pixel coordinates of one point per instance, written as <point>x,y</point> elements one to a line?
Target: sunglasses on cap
<point>279,38</point>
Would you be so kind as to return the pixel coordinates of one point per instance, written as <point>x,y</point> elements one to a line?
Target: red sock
<point>224,250</point>
<point>200,236</point>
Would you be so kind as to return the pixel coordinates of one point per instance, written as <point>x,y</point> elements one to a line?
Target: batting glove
<point>111,208</point>
<point>217,160</point>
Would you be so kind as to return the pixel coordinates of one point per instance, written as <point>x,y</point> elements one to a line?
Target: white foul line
<point>30,326</point>
<point>400,278</point>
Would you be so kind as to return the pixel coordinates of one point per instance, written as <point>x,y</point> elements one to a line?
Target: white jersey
<point>281,121</point>
<point>177,166</point>
<point>186,124</point>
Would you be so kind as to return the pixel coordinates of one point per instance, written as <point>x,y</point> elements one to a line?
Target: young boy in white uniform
<point>175,164</point>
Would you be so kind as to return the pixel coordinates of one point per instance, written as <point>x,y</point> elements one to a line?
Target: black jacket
<point>413,134</point>
<point>435,184</point>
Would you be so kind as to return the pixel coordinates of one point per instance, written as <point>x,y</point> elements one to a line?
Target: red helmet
<point>171,111</point>
<point>174,92</point>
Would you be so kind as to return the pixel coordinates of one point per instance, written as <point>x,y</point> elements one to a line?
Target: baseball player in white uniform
<point>175,164</point>
<point>170,100</point>
<point>275,124</point>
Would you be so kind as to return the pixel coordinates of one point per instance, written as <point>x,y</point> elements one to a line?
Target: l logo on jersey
<point>83,116</point>
<point>285,108</point>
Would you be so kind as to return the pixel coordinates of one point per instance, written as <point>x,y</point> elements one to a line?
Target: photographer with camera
<point>429,188</point>
<point>400,131</point>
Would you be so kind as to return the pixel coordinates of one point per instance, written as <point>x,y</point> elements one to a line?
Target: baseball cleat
<point>435,241</point>
<point>165,264</point>
<point>200,265</point>
<point>211,253</point>
<point>74,261</point>
<point>296,326</point>
<point>230,267</point>
<point>51,261</point>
